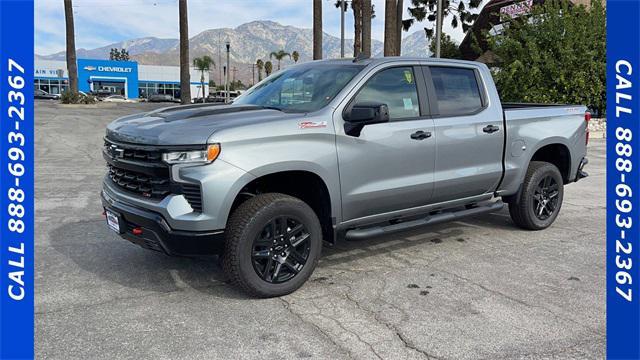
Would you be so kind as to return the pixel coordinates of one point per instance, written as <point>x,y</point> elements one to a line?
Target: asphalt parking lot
<point>477,289</point>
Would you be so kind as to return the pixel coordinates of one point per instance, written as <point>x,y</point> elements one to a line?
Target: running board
<point>363,233</point>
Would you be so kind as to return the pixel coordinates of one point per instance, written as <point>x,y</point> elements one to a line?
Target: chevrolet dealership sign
<point>117,69</point>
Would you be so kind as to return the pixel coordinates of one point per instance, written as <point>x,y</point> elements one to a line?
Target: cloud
<point>101,22</point>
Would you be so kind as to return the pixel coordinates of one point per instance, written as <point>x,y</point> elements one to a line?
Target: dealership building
<point>126,78</point>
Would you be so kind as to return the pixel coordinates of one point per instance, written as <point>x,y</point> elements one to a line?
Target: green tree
<point>448,48</point>
<point>279,55</point>
<point>260,66</point>
<point>295,56</point>
<point>460,11</point>
<point>124,55</point>
<point>556,54</point>
<point>203,64</point>
<point>119,55</point>
<point>268,67</point>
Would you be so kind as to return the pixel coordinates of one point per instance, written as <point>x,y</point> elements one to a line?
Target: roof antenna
<point>361,56</point>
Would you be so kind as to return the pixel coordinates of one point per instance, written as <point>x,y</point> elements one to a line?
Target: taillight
<point>587,118</point>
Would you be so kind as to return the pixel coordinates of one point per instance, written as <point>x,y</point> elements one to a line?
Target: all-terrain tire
<point>522,207</point>
<point>247,223</point>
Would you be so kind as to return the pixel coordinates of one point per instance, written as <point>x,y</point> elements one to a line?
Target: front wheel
<point>538,205</point>
<point>272,246</point>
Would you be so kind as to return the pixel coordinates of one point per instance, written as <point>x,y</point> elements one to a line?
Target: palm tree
<point>268,67</point>
<point>72,66</point>
<point>367,14</point>
<point>390,27</point>
<point>279,55</point>
<point>185,81</point>
<point>203,64</point>
<point>260,66</point>
<point>295,56</point>
<point>317,29</point>
<point>356,6</point>
<point>399,12</point>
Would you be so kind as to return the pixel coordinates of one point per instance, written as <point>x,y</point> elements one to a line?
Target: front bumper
<point>156,234</point>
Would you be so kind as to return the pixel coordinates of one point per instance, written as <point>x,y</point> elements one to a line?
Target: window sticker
<point>408,104</point>
<point>408,76</point>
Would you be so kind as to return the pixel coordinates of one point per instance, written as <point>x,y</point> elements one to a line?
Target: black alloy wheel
<point>537,204</point>
<point>545,198</point>
<point>273,244</point>
<point>281,250</point>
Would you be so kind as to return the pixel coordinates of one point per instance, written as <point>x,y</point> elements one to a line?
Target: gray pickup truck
<point>335,150</point>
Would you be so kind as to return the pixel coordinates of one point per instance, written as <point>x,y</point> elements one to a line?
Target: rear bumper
<point>158,235</point>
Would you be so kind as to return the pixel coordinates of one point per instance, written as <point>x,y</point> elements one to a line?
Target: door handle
<point>489,129</point>
<point>420,135</point>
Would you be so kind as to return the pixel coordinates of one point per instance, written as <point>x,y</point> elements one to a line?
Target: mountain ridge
<point>258,38</point>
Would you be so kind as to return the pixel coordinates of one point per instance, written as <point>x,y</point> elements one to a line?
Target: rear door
<point>468,131</point>
<point>389,166</point>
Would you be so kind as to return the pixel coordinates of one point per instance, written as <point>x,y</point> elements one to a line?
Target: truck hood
<point>188,125</point>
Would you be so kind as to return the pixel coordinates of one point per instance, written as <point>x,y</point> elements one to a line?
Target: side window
<point>395,87</point>
<point>457,90</point>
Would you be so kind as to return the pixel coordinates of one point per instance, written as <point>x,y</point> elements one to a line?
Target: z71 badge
<point>312,124</point>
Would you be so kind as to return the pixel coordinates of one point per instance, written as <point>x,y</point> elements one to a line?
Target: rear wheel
<point>273,245</point>
<point>538,205</point>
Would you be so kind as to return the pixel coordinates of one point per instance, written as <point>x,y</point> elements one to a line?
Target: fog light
<point>137,231</point>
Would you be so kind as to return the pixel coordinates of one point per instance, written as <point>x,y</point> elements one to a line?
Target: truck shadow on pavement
<point>105,258</point>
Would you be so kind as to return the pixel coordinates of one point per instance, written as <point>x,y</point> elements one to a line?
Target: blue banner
<point>16,179</point>
<point>623,183</point>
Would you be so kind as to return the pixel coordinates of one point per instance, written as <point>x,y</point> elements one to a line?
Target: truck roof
<point>388,59</point>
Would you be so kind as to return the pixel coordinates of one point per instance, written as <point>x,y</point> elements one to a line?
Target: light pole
<point>438,28</point>
<point>226,75</point>
<point>343,5</point>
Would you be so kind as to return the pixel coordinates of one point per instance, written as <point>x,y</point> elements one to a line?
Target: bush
<point>554,55</point>
<point>69,97</point>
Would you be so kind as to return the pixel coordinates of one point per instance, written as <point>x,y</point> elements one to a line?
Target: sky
<point>102,22</point>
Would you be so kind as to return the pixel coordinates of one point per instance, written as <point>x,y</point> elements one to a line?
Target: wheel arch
<point>556,153</point>
<point>306,185</point>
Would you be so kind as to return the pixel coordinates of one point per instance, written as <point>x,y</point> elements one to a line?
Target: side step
<point>363,233</point>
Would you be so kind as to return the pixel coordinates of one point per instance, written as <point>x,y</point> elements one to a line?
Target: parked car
<point>332,151</point>
<point>220,97</point>
<point>116,98</point>
<point>101,93</point>
<point>162,98</point>
<point>41,94</point>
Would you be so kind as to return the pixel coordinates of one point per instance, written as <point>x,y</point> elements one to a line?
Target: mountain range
<point>249,42</point>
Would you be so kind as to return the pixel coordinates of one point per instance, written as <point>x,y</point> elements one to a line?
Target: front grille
<point>141,184</point>
<point>147,156</point>
<point>140,170</point>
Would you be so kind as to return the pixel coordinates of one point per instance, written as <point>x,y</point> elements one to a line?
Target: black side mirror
<point>365,113</point>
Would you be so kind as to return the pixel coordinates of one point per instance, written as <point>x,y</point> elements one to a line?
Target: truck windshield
<point>300,88</point>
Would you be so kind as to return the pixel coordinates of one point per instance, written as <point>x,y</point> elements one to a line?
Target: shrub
<point>556,54</point>
<point>69,97</point>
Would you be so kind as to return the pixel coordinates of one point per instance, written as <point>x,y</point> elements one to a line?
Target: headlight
<point>193,157</point>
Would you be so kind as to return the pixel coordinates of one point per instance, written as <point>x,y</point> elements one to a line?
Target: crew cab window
<point>395,87</point>
<point>457,90</point>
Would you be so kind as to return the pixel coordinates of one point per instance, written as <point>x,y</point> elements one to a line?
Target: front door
<point>389,166</point>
